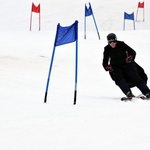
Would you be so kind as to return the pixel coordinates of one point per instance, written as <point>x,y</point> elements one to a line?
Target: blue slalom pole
<point>49,73</point>
<point>76,66</point>
<point>85,25</point>
<point>96,26</point>
<point>134,24</point>
<point>124,24</point>
<point>76,73</point>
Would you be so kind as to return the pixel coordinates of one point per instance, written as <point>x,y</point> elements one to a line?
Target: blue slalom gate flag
<point>88,11</point>
<point>129,16</point>
<point>66,35</point>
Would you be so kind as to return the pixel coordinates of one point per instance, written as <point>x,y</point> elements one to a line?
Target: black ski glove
<point>129,59</point>
<point>109,68</point>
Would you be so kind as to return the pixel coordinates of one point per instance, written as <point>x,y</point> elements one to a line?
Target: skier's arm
<point>105,60</point>
<point>130,51</point>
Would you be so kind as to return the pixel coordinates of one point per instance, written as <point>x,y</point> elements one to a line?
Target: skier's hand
<point>129,59</point>
<point>109,68</point>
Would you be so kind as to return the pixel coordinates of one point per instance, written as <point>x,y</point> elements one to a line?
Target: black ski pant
<point>129,71</point>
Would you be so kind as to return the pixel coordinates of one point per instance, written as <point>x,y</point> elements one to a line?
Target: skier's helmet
<point>111,37</point>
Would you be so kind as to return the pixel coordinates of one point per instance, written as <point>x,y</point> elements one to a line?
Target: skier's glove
<point>129,59</point>
<point>109,68</point>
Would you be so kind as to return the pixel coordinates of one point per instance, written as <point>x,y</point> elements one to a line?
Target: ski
<point>126,99</point>
<point>141,96</point>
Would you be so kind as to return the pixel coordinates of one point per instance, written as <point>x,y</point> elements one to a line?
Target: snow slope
<point>99,120</point>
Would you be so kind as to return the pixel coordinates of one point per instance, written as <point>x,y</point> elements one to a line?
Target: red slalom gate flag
<point>35,9</point>
<point>141,5</point>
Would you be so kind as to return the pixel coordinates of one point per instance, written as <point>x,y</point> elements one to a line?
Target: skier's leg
<point>121,82</point>
<point>137,80</point>
<point>144,89</point>
<point>123,85</point>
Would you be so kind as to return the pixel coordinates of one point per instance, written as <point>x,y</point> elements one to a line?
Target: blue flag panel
<point>88,11</point>
<point>129,16</point>
<point>67,34</point>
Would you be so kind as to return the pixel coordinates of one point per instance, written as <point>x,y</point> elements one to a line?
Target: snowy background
<point>99,120</point>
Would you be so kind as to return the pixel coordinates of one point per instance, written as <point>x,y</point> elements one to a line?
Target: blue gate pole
<point>49,73</point>
<point>96,26</point>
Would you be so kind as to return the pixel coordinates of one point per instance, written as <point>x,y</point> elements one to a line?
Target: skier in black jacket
<point>118,58</point>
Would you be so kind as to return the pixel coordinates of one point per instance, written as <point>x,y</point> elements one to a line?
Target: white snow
<point>99,120</point>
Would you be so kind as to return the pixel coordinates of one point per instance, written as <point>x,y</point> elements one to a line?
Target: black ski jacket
<point>117,56</point>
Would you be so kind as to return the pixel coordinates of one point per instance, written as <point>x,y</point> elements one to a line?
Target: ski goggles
<point>112,40</point>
